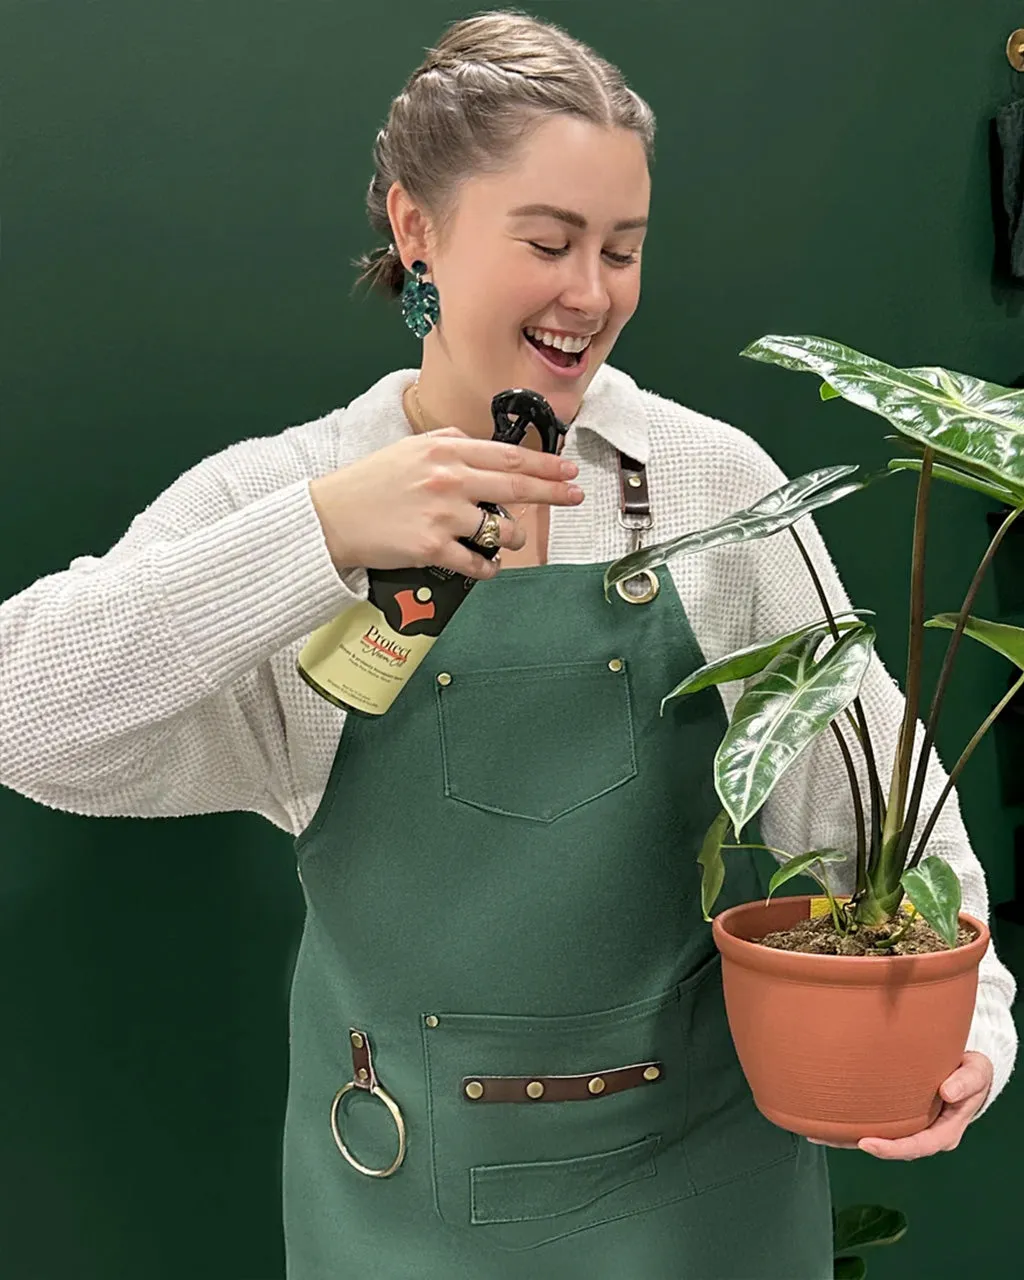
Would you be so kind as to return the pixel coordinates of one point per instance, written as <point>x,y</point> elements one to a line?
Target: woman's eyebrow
<point>567,215</point>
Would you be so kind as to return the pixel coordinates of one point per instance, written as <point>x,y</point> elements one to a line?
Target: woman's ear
<point>410,226</point>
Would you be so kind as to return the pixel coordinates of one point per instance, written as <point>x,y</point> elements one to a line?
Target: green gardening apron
<point>503,901</point>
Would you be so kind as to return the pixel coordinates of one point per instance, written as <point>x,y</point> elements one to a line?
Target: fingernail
<point>570,469</point>
<point>954,1093</point>
<point>575,493</point>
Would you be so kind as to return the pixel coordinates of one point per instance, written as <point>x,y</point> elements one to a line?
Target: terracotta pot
<point>844,1047</point>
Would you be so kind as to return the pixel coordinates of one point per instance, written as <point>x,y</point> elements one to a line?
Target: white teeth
<point>558,340</point>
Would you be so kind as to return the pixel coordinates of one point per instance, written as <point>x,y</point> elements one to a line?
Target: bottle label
<point>361,660</point>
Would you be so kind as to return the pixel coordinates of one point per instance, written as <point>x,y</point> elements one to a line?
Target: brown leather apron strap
<point>635,515</point>
<point>634,497</point>
<point>581,1088</point>
<point>363,1074</point>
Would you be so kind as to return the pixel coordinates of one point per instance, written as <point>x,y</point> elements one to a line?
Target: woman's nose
<point>585,289</point>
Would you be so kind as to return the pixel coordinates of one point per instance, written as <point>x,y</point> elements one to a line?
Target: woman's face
<point>550,244</point>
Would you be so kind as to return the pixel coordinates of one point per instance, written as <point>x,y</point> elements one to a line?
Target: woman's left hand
<point>963,1093</point>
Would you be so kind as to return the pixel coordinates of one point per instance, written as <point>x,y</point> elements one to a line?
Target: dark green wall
<point>182,188</point>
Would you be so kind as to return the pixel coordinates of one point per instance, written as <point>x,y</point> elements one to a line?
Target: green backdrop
<point>182,190</point>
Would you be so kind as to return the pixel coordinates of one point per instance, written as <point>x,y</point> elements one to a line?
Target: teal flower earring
<point>421,305</point>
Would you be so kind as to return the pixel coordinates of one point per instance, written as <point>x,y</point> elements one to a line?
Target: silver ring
<point>488,533</point>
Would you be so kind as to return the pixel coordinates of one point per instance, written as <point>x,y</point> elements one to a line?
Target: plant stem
<point>915,644</point>
<point>944,674</point>
<point>858,809</point>
<point>863,733</point>
<point>900,933</point>
<point>957,769</point>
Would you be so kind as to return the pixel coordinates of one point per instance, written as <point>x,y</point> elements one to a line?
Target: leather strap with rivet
<point>580,1088</point>
<point>635,515</point>
<point>634,497</point>
<point>364,1078</point>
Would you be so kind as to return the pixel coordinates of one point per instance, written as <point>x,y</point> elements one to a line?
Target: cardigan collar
<point>612,408</point>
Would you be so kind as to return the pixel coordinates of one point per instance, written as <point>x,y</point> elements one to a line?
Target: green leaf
<point>851,1268</point>
<point>861,1225</point>
<point>800,863</point>
<point>777,718</point>
<point>961,417</point>
<point>775,511</point>
<point>932,886</point>
<point>753,659</point>
<point>963,478</point>
<point>712,866</point>
<point>1004,639</point>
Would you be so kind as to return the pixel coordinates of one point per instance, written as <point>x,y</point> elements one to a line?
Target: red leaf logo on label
<point>412,609</point>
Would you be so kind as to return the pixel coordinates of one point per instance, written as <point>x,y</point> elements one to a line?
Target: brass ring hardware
<point>396,1115</point>
<point>364,1077</point>
<point>1015,50</point>
<point>646,586</point>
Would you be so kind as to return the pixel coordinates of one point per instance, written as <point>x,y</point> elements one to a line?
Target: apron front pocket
<point>519,1192</point>
<point>497,728</point>
<point>517,1174</point>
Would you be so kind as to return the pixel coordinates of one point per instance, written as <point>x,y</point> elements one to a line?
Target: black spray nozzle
<point>529,409</point>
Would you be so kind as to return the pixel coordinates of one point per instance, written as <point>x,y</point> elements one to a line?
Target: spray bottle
<point>360,660</point>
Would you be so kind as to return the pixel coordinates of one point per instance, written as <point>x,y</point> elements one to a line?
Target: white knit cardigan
<point>159,679</point>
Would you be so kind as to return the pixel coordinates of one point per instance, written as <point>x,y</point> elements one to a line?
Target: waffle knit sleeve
<point>131,684</point>
<point>812,807</point>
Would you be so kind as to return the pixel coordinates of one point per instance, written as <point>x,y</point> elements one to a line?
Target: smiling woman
<point>509,1055</point>
<point>519,280</point>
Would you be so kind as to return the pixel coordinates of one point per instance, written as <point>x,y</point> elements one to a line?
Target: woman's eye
<point>620,259</point>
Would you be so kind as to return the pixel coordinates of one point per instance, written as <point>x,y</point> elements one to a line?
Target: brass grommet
<point>474,1090</point>
<point>357,1040</point>
<point>431,1020</point>
<point>444,678</point>
<point>363,1074</point>
<point>535,1089</point>
<point>652,1073</point>
<point>596,1085</point>
<point>642,594</point>
<point>616,664</point>
<point>634,482</point>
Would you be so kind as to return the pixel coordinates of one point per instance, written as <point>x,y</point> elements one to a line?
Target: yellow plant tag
<point>820,907</point>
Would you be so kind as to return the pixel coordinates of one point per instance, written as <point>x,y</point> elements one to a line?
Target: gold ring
<point>489,533</point>
<point>396,1115</point>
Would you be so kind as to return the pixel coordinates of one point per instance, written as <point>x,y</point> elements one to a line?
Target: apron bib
<point>502,896</point>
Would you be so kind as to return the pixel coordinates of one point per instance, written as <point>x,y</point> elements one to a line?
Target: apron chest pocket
<point>520,1173</point>
<point>498,728</point>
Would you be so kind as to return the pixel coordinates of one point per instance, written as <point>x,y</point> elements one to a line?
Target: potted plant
<point>848,1012</point>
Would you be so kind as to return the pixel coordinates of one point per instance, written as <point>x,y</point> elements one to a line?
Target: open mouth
<point>567,355</point>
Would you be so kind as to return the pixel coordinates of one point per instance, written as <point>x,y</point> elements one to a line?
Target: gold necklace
<point>420,425</point>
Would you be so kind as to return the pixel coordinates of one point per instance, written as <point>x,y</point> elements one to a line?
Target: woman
<point>503,932</point>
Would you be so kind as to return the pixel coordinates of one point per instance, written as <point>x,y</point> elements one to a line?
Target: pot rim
<point>844,968</point>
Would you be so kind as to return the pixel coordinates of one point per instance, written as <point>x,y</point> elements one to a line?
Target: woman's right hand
<point>408,503</point>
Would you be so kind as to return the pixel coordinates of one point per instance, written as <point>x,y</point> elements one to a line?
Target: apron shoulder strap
<point>635,500</point>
